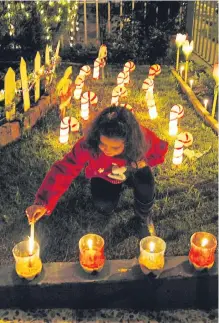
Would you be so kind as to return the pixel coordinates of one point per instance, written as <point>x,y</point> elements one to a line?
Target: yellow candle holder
<point>152,249</point>
<point>91,256</point>
<point>203,246</point>
<point>27,266</point>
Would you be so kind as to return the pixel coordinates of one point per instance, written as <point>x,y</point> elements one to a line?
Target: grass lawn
<point>186,198</point>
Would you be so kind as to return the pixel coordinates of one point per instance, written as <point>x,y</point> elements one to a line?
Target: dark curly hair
<point>117,122</point>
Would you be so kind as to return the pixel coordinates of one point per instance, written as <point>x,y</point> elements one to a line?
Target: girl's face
<point>111,146</point>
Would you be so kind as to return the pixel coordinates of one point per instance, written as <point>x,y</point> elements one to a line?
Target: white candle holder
<point>152,249</point>
<point>27,265</point>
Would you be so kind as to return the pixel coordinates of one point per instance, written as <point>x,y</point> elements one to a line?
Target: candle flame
<point>204,242</point>
<point>191,83</point>
<point>206,103</point>
<point>31,245</point>
<point>90,243</point>
<point>151,246</point>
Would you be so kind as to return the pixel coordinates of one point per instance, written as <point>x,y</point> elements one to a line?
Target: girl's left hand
<point>140,164</point>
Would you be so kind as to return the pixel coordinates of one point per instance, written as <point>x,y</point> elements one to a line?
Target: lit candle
<point>203,246</point>
<point>206,103</point>
<point>27,259</point>
<point>181,70</point>
<point>180,39</point>
<point>152,249</point>
<point>216,78</point>
<point>191,83</point>
<point>91,252</point>
<point>216,73</point>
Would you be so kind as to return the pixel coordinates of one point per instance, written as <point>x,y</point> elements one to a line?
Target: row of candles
<point>92,259</point>
<point>191,82</point>
<point>187,49</point>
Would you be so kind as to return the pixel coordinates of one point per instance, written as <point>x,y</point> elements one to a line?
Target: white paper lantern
<point>88,98</point>
<point>64,130</point>
<point>121,79</point>
<point>96,70</point>
<point>85,70</point>
<point>176,112</point>
<point>183,139</point>
<point>152,108</point>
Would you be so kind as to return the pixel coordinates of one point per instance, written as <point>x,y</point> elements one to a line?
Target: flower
<point>216,73</point>
<point>187,48</point>
<point>180,39</point>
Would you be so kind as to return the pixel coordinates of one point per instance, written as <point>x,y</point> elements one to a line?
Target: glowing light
<point>151,246</point>
<point>90,243</point>
<point>182,68</point>
<point>191,83</point>
<point>31,245</point>
<point>206,103</point>
<point>187,48</point>
<point>180,39</point>
<point>204,242</point>
<point>216,73</point>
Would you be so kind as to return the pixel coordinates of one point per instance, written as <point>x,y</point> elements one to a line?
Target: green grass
<point>187,198</point>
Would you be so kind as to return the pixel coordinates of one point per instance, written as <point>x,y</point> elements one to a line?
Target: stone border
<point>196,103</point>
<point>13,131</point>
<point>121,284</point>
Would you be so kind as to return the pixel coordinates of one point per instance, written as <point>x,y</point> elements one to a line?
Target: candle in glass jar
<point>91,248</point>
<point>152,251</point>
<point>182,68</point>
<point>27,259</point>
<point>203,246</point>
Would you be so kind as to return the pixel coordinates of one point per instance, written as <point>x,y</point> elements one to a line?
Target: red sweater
<point>63,172</point>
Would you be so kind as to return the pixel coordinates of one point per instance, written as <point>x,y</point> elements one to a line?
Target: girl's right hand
<point>35,212</point>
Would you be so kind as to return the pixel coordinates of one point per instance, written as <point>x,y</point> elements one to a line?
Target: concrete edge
<point>196,103</point>
<point>121,284</point>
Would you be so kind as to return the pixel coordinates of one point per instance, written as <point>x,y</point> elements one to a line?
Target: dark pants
<point>106,195</point>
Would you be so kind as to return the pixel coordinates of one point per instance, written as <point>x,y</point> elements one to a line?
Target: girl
<point>114,149</point>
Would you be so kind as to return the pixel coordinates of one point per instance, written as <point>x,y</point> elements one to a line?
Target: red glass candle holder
<point>91,256</point>
<point>203,246</point>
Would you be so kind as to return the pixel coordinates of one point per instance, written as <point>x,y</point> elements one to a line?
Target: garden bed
<point>186,197</point>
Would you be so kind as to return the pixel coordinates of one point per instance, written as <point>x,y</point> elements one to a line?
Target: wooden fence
<point>202,25</point>
<point>22,87</point>
<point>90,24</point>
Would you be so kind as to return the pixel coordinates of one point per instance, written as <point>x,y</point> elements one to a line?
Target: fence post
<point>97,22</point>
<point>85,22</point>
<point>120,14</point>
<point>37,63</point>
<point>24,82</point>
<point>47,58</point>
<point>57,50</point>
<point>9,87</point>
<point>109,27</point>
<point>190,17</point>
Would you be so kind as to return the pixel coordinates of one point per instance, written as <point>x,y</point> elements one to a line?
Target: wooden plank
<point>206,51</point>
<point>120,14</point>
<point>203,27</point>
<point>85,22</point>
<point>97,21</point>
<point>9,87</point>
<point>37,64</point>
<point>47,56</point>
<point>214,36</point>
<point>195,23</point>
<point>199,27</point>
<point>109,18</point>
<point>24,83</point>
